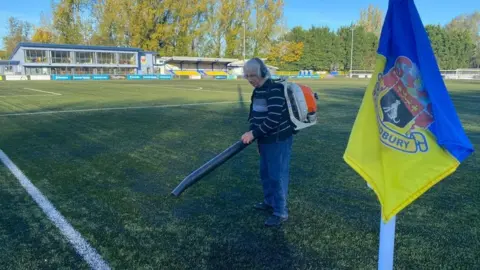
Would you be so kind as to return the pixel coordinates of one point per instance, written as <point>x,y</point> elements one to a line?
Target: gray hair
<point>256,66</point>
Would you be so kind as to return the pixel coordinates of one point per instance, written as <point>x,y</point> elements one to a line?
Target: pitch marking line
<point>41,91</point>
<point>122,108</point>
<point>198,89</point>
<point>25,96</point>
<point>82,247</point>
<point>32,89</point>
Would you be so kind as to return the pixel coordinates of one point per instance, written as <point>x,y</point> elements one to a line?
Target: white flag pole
<point>387,244</point>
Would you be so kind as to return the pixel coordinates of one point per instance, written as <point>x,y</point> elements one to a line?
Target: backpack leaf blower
<point>302,108</point>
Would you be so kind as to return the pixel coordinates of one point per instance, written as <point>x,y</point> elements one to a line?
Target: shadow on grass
<point>243,105</point>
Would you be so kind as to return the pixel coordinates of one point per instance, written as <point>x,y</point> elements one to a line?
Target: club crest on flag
<point>403,108</point>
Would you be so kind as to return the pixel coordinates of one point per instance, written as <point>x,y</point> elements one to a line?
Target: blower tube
<point>208,167</point>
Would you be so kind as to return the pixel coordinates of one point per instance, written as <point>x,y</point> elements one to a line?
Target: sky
<point>306,13</point>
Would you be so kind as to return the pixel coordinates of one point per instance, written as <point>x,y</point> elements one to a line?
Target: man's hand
<point>247,138</point>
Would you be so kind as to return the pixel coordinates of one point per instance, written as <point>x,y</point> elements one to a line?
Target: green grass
<point>110,173</point>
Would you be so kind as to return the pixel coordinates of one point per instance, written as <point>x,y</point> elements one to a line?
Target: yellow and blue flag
<point>407,136</point>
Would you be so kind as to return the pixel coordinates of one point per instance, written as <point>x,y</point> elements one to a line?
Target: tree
<point>18,31</point>
<point>285,53</point>
<point>114,22</point>
<point>371,19</point>
<point>67,20</point>
<point>467,22</point>
<point>3,55</point>
<point>365,46</point>
<point>296,34</point>
<point>188,16</point>
<point>43,36</point>
<point>471,24</point>
<point>224,28</point>
<point>321,49</point>
<point>453,48</point>
<point>268,16</point>
<point>233,18</point>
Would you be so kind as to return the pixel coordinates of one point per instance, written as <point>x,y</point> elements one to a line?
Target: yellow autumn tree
<point>285,52</point>
<point>43,36</point>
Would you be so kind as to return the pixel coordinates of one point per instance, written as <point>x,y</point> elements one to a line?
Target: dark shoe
<point>263,206</point>
<point>274,221</point>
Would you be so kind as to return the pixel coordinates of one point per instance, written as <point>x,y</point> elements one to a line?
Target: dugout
<point>193,66</point>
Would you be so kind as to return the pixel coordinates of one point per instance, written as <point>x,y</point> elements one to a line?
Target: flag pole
<point>387,244</point>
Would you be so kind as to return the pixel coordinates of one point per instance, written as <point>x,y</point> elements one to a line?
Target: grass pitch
<point>108,154</point>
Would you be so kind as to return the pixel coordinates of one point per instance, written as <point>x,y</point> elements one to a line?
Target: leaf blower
<point>302,108</point>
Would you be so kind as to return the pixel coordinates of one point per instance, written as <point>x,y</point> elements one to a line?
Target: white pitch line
<point>25,96</point>
<point>121,108</point>
<point>82,247</point>
<point>199,89</point>
<point>53,93</point>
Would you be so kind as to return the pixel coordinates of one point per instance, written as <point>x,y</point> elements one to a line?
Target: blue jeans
<point>274,173</point>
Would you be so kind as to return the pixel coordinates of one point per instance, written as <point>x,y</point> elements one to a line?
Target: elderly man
<point>270,125</point>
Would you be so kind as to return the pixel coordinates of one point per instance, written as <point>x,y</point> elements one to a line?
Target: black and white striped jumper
<point>269,118</point>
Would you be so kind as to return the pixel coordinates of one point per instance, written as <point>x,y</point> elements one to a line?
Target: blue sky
<point>336,13</point>
<point>332,13</point>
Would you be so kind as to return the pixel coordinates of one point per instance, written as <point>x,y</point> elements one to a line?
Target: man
<point>270,125</point>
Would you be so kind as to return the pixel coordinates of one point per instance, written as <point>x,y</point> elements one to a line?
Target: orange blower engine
<point>302,104</point>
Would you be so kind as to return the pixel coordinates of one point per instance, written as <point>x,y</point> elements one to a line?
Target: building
<point>61,59</point>
<point>67,59</point>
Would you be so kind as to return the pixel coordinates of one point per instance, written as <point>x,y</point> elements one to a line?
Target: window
<point>83,70</point>
<point>127,59</point>
<point>124,71</point>
<point>35,56</point>
<point>7,70</point>
<point>84,57</point>
<point>61,57</point>
<point>37,71</point>
<point>106,58</point>
<point>62,71</point>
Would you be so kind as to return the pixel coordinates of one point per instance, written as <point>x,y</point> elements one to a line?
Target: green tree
<point>67,20</point>
<point>18,31</point>
<point>453,48</point>
<point>188,17</point>
<point>267,20</point>
<point>471,24</point>
<point>365,45</point>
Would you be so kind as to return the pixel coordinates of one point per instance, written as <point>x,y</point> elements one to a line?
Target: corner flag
<point>407,136</point>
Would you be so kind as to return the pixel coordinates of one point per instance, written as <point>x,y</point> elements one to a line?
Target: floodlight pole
<point>351,54</point>
<point>244,38</point>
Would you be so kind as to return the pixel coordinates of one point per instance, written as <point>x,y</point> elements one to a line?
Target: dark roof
<point>9,63</point>
<point>73,47</point>
<point>194,59</point>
